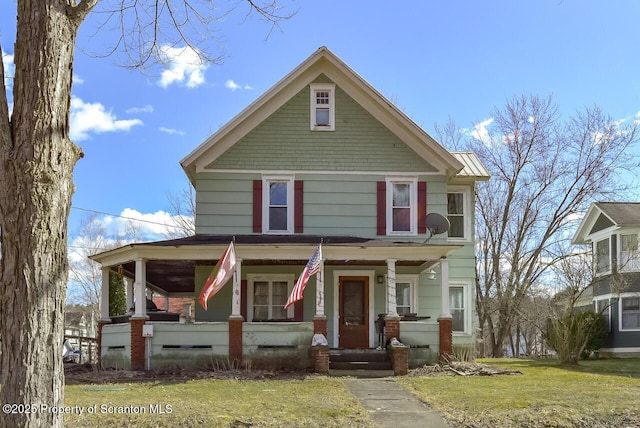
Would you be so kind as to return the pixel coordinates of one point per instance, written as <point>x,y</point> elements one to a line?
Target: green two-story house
<point>321,158</point>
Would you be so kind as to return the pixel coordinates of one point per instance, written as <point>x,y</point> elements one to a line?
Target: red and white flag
<point>224,270</point>
<point>312,267</point>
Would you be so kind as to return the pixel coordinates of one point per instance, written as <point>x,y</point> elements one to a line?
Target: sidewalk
<point>390,405</point>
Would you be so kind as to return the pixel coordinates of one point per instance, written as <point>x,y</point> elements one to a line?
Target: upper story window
<point>401,206</point>
<point>458,213</point>
<point>629,254</point>
<point>278,204</point>
<point>322,107</point>
<point>602,256</point>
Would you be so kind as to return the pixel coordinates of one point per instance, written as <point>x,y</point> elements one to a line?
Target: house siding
<point>285,142</point>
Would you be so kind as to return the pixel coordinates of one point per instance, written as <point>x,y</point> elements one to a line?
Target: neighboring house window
<point>602,256</point>
<point>629,255</point>
<point>401,207</point>
<point>630,310</point>
<point>268,296</point>
<point>405,295</point>
<point>278,205</point>
<point>322,107</point>
<point>603,306</point>
<point>458,213</point>
<point>458,307</point>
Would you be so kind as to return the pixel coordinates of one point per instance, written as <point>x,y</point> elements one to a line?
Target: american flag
<point>223,272</point>
<point>312,268</point>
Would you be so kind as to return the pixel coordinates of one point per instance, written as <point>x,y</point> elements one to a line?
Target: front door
<point>353,312</point>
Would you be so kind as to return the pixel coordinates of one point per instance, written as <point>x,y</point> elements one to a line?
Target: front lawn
<point>599,393</point>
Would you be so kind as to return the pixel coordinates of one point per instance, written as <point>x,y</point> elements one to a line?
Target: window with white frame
<point>603,306</point>
<point>602,256</point>
<point>322,107</point>
<point>630,313</point>
<point>278,205</point>
<point>267,297</point>
<point>458,213</point>
<point>629,254</point>
<point>401,206</point>
<point>458,307</point>
<point>405,295</point>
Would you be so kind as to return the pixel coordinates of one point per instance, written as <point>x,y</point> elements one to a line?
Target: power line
<point>126,218</point>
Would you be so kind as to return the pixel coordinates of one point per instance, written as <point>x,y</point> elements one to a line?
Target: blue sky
<point>435,60</point>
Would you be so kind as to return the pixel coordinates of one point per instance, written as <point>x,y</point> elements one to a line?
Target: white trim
<point>266,180</point>
<point>466,297</point>
<point>620,350</point>
<point>413,286</point>
<point>322,87</point>
<point>317,172</point>
<point>252,277</point>
<point>336,301</point>
<point>466,207</point>
<point>412,181</point>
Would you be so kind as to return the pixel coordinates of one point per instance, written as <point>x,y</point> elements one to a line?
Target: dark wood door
<point>353,312</point>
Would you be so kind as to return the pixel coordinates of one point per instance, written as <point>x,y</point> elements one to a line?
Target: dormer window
<point>322,107</point>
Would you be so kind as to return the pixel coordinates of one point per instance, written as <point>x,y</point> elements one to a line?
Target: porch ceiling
<point>170,265</point>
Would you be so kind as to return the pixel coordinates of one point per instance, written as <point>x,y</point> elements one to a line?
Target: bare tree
<point>37,159</point>
<point>182,207</point>
<point>543,171</point>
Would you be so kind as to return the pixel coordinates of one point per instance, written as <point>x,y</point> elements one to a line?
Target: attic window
<point>322,117</point>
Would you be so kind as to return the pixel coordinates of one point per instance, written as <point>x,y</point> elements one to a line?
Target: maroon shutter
<point>382,208</point>
<point>422,207</point>
<point>298,310</point>
<point>243,298</point>
<point>257,206</point>
<point>298,206</point>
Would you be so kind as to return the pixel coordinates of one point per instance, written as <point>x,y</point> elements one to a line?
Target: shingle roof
<point>621,213</point>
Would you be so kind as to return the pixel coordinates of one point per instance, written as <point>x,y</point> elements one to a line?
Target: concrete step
<point>346,355</point>
<point>360,365</point>
<point>361,373</point>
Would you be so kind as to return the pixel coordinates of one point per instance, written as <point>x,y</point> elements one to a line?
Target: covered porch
<point>359,280</point>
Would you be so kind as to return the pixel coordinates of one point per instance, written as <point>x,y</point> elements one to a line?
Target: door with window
<point>353,312</point>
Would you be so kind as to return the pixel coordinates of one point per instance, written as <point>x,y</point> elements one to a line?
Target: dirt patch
<point>76,374</point>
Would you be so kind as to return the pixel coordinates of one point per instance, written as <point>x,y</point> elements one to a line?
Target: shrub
<point>575,335</point>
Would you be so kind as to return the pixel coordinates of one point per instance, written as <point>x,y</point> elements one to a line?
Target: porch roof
<point>170,264</point>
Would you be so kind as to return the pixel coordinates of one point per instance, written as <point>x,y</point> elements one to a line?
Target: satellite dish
<point>436,224</point>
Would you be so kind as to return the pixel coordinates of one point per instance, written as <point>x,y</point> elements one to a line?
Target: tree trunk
<point>37,160</point>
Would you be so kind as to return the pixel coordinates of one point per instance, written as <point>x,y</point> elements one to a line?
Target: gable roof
<point>322,61</point>
<point>618,214</point>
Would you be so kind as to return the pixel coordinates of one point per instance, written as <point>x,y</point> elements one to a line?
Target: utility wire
<point>126,218</point>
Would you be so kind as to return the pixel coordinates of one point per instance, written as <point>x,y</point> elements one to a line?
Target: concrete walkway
<point>392,406</point>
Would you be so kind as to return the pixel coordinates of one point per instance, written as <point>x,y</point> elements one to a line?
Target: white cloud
<point>480,131</point>
<point>184,66</point>
<point>9,69</point>
<point>230,84</point>
<point>170,131</point>
<point>146,109</point>
<point>133,225</point>
<point>88,118</point>
<point>77,79</point>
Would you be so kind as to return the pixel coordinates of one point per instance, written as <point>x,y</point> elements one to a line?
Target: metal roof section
<point>473,168</point>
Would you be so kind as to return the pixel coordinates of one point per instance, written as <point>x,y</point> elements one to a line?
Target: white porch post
<point>128,286</point>
<point>104,294</point>
<point>391,287</point>
<point>139,287</point>
<point>236,310</point>
<point>444,267</point>
<point>320,291</point>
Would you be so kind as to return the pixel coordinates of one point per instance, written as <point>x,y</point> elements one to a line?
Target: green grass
<point>313,402</point>
<point>597,393</point>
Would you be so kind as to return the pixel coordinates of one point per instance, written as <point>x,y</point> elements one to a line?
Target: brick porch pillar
<point>400,359</point>
<point>320,357</point>
<point>137,343</point>
<point>320,325</point>
<point>101,324</point>
<point>446,337</point>
<point>391,327</point>
<point>235,338</point>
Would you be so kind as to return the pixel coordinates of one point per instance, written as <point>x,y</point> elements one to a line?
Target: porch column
<point>104,295</point>
<point>236,321</point>
<point>128,286</point>
<point>320,319</point>
<point>236,299</point>
<point>392,319</point>
<point>139,287</point>
<point>445,320</point>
